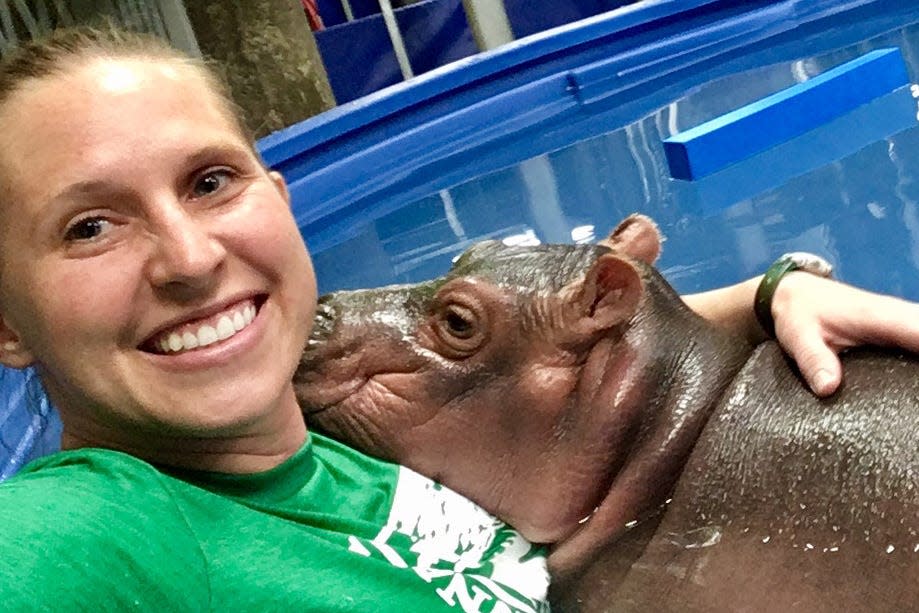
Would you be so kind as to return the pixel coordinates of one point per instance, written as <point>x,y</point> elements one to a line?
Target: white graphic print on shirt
<point>474,560</point>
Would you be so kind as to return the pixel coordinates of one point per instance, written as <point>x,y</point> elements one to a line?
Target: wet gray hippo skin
<point>555,383</point>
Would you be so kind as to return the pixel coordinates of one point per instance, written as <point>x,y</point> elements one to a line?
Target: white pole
<point>489,23</point>
<point>346,6</point>
<point>395,36</point>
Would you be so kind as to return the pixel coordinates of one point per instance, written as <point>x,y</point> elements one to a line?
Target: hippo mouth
<point>315,402</point>
<point>320,398</point>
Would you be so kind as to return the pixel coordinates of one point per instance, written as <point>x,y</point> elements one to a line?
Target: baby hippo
<point>669,466</point>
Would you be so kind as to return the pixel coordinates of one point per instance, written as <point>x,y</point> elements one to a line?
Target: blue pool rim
<point>370,157</point>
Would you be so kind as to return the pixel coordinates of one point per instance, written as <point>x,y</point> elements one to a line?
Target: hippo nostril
<point>325,311</point>
<point>323,321</point>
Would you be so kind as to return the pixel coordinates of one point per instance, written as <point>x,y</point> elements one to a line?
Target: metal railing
<point>487,19</point>
<point>22,20</point>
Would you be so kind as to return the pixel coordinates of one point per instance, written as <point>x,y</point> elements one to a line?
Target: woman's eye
<point>86,229</point>
<point>210,182</point>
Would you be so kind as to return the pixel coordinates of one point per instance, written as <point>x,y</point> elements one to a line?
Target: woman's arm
<point>731,307</point>
<point>815,319</point>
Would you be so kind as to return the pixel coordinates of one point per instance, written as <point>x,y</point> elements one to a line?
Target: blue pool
<point>560,135</point>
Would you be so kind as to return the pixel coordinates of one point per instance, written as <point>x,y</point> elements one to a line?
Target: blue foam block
<point>867,125</point>
<point>761,125</point>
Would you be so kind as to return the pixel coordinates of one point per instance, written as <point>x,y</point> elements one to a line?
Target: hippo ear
<point>610,292</point>
<point>636,236</point>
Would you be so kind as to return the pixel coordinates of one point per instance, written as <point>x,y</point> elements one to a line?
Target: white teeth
<point>206,336</point>
<point>227,326</point>
<point>189,340</point>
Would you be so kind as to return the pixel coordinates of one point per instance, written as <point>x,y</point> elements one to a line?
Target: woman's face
<point>149,265</point>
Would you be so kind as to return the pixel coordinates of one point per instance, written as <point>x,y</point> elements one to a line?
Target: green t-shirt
<point>328,530</point>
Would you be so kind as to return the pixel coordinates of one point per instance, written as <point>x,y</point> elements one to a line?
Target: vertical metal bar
<point>346,7</point>
<point>137,16</point>
<point>6,24</point>
<point>153,17</point>
<point>26,16</point>
<point>41,15</point>
<point>124,15</point>
<point>178,28</point>
<point>63,14</point>
<point>489,23</point>
<point>395,36</point>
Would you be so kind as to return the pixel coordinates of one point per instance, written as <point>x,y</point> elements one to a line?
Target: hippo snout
<point>323,320</point>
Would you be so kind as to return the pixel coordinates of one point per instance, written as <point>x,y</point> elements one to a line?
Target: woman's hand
<point>815,319</point>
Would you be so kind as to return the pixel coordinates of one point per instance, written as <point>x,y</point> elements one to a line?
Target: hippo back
<point>789,502</point>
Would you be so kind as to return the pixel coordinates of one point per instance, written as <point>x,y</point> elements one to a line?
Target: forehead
<point>102,83</point>
<point>100,116</point>
<point>536,269</point>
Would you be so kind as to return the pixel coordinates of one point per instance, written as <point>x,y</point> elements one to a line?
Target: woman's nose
<point>187,255</point>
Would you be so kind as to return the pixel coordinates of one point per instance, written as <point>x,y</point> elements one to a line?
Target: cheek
<point>269,236</point>
<point>267,240</point>
<point>75,305</point>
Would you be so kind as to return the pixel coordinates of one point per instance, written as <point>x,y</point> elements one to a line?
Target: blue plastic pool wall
<point>556,137</point>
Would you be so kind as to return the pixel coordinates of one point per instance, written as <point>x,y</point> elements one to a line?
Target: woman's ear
<point>13,352</point>
<point>280,184</point>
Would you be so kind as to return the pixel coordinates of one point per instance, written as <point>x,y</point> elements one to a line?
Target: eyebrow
<point>199,157</point>
<point>208,153</point>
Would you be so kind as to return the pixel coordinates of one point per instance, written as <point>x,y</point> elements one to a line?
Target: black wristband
<point>762,304</point>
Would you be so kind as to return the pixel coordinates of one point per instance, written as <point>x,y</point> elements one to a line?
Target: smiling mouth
<point>204,332</point>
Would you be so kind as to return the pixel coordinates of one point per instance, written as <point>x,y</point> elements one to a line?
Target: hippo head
<point>508,379</point>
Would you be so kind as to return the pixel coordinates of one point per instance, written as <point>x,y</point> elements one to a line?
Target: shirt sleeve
<point>91,535</point>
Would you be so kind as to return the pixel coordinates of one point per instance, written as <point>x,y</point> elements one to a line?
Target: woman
<point>150,268</point>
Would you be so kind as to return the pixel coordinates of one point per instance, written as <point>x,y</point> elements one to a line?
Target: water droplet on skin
<point>808,546</point>
<point>890,548</point>
<point>698,538</point>
<point>766,539</point>
<point>834,549</point>
<point>631,524</point>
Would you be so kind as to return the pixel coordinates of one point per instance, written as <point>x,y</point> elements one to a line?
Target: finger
<point>817,361</point>
<point>888,321</point>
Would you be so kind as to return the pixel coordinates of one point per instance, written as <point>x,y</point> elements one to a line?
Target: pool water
<point>859,211</point>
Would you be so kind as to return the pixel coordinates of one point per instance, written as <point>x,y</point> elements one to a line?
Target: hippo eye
<point>460,328</point>
<point>458,321</point>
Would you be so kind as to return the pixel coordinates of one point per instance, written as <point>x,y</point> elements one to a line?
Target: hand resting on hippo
<point>669,464</point>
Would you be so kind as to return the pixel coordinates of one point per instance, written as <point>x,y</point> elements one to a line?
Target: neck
<point>683,366</point>
<point>254,449</point>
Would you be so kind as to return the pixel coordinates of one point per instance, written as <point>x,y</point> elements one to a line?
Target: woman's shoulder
<point>85,489</point>
<point>95,519</point>
<point>78,472</point>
